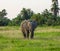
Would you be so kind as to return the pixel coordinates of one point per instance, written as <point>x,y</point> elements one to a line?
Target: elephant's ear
<point>34,24</point>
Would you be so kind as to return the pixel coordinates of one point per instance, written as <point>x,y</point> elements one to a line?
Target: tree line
<point>49,18</point>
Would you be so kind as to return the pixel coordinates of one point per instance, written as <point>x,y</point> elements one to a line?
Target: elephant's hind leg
<point>24,34</point>
<point>27,34</point>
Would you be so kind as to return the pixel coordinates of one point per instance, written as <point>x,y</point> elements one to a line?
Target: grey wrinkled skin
<point>28,27</point>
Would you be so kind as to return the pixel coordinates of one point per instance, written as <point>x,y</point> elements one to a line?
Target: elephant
<point>28,27</point>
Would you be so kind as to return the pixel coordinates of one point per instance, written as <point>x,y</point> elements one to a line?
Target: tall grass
<point>45,39</point>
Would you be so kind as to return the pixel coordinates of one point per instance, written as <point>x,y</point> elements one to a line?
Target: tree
<point>48,17</point>
<point>3,20</point>
<point>55,8</point>
<point>3,13</point>
<point>16,21</point>
<point>26,13</point>
<point>38,17</point>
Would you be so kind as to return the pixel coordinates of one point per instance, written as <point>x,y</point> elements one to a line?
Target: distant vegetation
<point>48,18</point>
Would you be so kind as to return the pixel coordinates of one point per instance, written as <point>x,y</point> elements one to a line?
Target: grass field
<point>45,39</point>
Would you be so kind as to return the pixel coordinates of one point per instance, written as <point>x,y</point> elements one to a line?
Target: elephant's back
<point>26,24</point>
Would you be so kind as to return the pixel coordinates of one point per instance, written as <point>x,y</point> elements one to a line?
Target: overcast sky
<point>14,7</point>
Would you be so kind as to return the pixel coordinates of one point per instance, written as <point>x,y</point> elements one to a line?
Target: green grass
<point>45,39</point>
